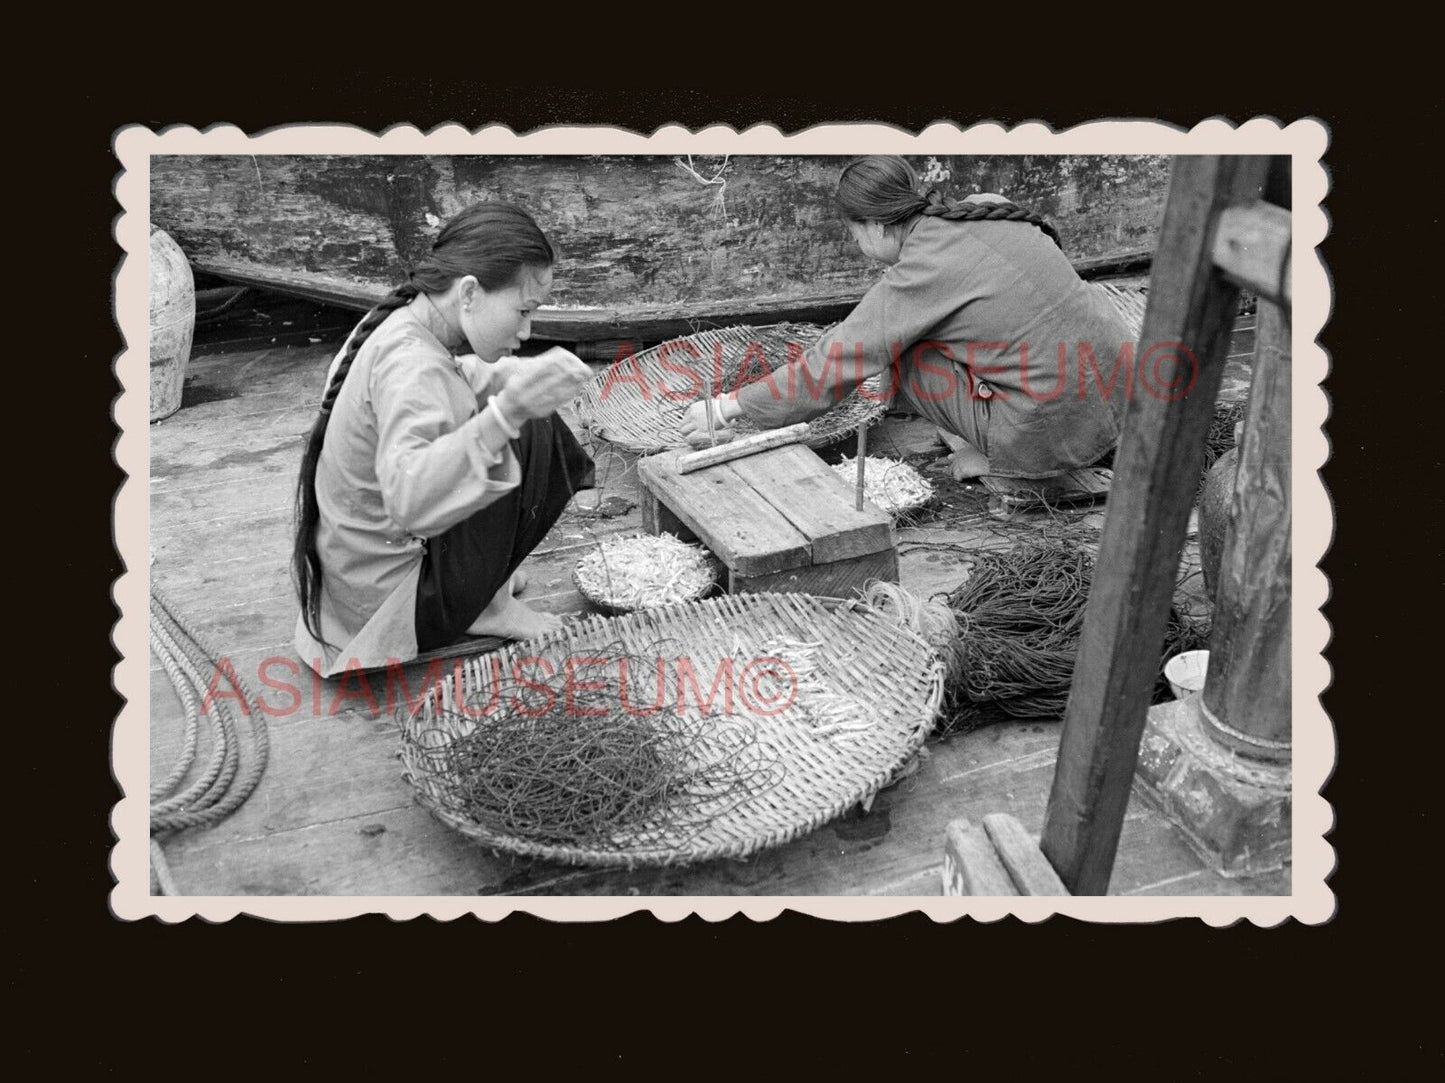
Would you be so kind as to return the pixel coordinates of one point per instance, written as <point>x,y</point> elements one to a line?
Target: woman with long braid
<point>437,462</point>
<point>987,330</point>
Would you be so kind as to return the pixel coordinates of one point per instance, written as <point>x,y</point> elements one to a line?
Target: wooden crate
<point>780,520</point>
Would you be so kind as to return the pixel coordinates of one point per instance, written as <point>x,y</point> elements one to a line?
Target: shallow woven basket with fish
<point>740,723</point>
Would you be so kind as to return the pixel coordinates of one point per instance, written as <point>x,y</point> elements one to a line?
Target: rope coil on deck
<point>223,786</point>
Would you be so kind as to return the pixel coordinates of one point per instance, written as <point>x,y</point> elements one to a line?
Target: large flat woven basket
<point>865,694</point>
<point>638,402</point>
<point>1130,302</point>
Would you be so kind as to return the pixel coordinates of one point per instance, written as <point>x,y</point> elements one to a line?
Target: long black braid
<point>935,206</point>
<point>305,558</point>
<point>884,188</point>
<point>490,241</point>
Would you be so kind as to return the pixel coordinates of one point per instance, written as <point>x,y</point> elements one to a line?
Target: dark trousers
<point>464,567</point>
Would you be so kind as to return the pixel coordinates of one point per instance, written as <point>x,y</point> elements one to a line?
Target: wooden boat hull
<point>648,249</point>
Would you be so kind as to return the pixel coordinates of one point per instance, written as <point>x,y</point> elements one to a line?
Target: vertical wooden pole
<point>1246,701</point>
<point>862,459</point>
<point>707,401</point>
<point>1176,377</point>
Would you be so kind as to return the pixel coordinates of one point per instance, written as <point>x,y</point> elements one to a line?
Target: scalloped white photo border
<point>1305,141</point>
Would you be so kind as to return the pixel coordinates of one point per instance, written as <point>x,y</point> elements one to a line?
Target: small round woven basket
<point>609,588</point>
<point>637,403</point>
<point>863,695</point>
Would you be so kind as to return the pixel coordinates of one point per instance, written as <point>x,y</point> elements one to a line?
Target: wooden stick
<point>707,399</point>
<point>862,456</point>
<point>748,445</point>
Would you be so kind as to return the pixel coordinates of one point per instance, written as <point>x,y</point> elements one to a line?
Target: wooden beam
<point>1180,365</point>
<point>604,330</point>
<point>970,864</point>
<point>1116,263</point>
<point>1252,248</point>
<point>1027,867</point>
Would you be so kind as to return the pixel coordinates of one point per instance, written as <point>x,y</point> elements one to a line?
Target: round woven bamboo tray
<point>637,403</point>
<point>1130,302</point>
<point>855,655</point>
<point>612,606</point>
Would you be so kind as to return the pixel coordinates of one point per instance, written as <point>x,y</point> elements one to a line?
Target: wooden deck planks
<point>333,815</point>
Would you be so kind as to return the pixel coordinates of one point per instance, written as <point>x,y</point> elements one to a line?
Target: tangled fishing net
<point>1020,619</point>
<point>563,760</point>
<point>890,484</point>
<point>1221,431</point>
<point>640,571</point>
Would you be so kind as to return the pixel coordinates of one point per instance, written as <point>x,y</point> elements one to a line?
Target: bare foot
<point>517,583</point>
<point>509,618</point>
<point>968,462</point>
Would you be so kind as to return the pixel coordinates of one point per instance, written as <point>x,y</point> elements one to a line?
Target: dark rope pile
<point>584,768</point>
<point>1021,618</point>
<point>1221,431</point>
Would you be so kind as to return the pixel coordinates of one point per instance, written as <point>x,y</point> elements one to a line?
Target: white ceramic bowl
<point>1185,672</point>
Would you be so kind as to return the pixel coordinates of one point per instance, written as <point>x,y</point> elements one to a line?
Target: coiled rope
<point>222,787</point>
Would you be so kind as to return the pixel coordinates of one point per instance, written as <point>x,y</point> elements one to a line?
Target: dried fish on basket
<point>890,484</point>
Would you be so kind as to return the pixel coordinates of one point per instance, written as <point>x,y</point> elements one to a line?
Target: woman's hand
<point>534,387</point>
<point>503,369</point>
<point>694,421</point>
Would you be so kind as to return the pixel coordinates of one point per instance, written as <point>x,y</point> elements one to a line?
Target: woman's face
<point>877,241</point>
<point>497,322</point>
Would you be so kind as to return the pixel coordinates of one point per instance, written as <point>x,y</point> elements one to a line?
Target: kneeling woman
<point>984,323</point>
<point>437,462</point>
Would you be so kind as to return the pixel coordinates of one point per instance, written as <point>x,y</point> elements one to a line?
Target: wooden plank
<point>1030,870</point>
<point>970,864</point>
<point>1117,263</point>
<point>836,579</point>
<point>307,841</point>
<point>603,330</point>
<point>1089,485</point>
<point>1190,315</point>
<point>1086,481</point>
<point>732,520</point>
<point>811,496</point>
<point>1252,248</point>
<point>332,815</point>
